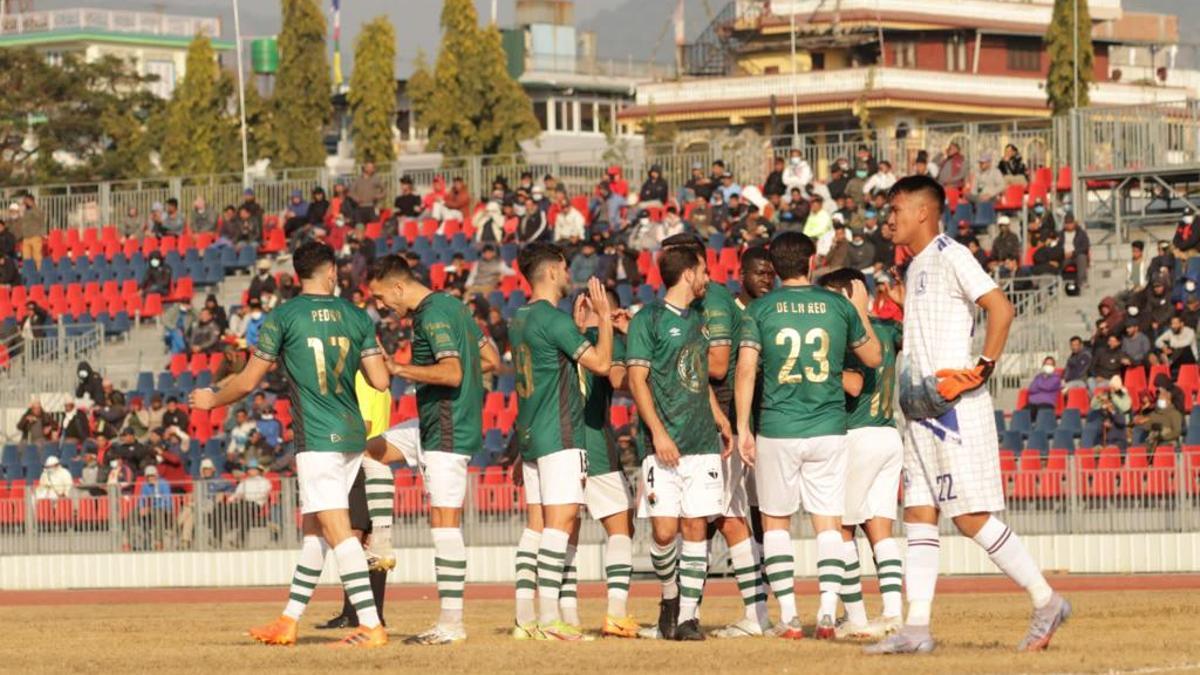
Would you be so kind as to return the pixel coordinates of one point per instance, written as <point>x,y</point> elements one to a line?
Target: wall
<point>1077,554</point>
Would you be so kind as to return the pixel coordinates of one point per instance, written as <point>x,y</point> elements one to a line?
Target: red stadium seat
<point>153,306</point>
<point>1077,398</point>
<point>1025,481</point>
<point>168,243</point>
<point>178,364</point>
<point>183,290</point>
<point>1161,478</point>
<point>1133,474</point>
<point>437,276</point>
<point>1064,179</point>
<point>274,241</point>
<point>408,406</point>
<point>1014,196</point>
<point>1135,381</point>
<point>149,245</point>
<point>1022,398</point>
<point>198,363</point>
<point>1054,477</point>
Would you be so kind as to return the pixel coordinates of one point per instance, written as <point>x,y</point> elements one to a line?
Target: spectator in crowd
<point>138,419</point>
<point>1177,345</point>
<point>1079,365</point>
<point>861,255</point>
<point>616,181</point>
<point>456,202</point>
<point>75,426</point>
<point>110,415</point>
<point>728,187</point>
<point>249,499</point>
<point>1111,406</point>
<point>1049,258</point>
<point>269,427</point>
<point>863,159</point>
<point>1076,248</point>
<point>132,224</point>
<point>158,276</point>
<point>217,311</point>
<point>774,184</point>
<point>205,334</point>
<point>263,281</point>
<point>169,461</point>
<point>1111,315</point>
<point>118,477</point>
<point>418,268</point>
<point>247,228</point>
<point>1187,237</point>
<point>10,274</point>
<point>253,208</point>
<point>880,181</point>
<point>701,186</point>
<point>407,204</point>
<point>1006,244</point>
<point>287,288</point>
<point>623,269</point>
<point>173,221</point>
<point>569,226</point>
<point>55,481</point>
<point>201,217</point>
<point>953,171</point>
<point>1137,269</point>
<point>366,192</point>
<point>239,429</point>
<point>1135,346</point>
<point>1045,389</point>
<point>36,425</point>
<point>259,448</point>
<point>987,184</point>
<point>90,384</point>
<point>487,272</point>
<point>532,225</point>
<point>255,321</point>
<point>654,190</point>
<point>130,450</point>
<point>295,214</point>
<point>820,221</point>
<point>37,322</point>
<point>90,482</point>
<point>1107,359</point>
<point>838,180</point>
<point>583,266</point>
<point>174,416</point>
<point>154,509</point>
<point>1163,263</point>
<point>1012,166</point>
<point>489,224</point>
<point>155,226</point>
<point>8,242</point>
<point>31,229</point>
<point>1191,311</point>
<point>798,174</point>
<point>1164,422</point>
<point>965,235</point>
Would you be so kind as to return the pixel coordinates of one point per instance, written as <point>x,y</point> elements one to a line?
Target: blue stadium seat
<point>246,256</point>
<point>1038,440</point>
<point>195,270</point>
<point>1012,440</point>
<point>137,266</point>
<point>204,379</point>
<point>395,245</point>
<point>1001,425</point>
<point>398,387</point>
<point>509,252</point>
<point>1192,437</point>
<point>716,241</point>
<point>1071,421</point>
<point>165,382</point>
<point>1193,269</point>
<point>495,299</point>
<point>30,275</point>
<point>64,272</point>
<point>493,441</point>
<point>10,462</point>
<point>480,460</point>
<point>517,298</point>
<point>121,323</point>
<point>506,383</point>
<point>420,245</point>
<point>565,304</point>
<point>145,381</point>
<point>1021,422</point>
<point>625,294</point>
<point>1063,438</point>
<point>440,243</point>
<point>228,258</point>
<point>985,215</point>
<point>734,286</point>
<point>94,271</point>
<point>175,262</point>
<point>1045,421</point>
<point>645,294</point>
<point>470,254</point>
<point>186,380</point>
<point>1139,436</point>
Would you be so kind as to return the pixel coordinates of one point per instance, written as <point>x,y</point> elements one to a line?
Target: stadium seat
<point>1026,480</point>
<point>1038,440</point>
<point>1161,479</point>
<point>1020,422</point>
<point>1053,482</point>
<point>1133,475</point>
<point>1001,426</point>
<point>1063,438</point>
<point>1013,441</point>
<point>1078,399</point>
<point>1013,198</point>
<point>1045,421</point>
<point>1071,421</point>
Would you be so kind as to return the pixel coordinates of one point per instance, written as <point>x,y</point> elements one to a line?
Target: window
<point>165,70</point>
<point>1024,55</point>
<point>566,116</point>
<point>771,70</point>
<point>539,111</point>
<point>818,61</point>
<point>587,117</point>
<point>904,54</point>
<point>54,59</point>
<point>956,54</point>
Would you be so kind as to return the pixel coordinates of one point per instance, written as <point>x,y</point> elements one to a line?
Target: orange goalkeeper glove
<point>953,383</point>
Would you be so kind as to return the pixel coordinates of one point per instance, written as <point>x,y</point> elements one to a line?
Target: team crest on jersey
<point>688,367</point>
<point>675,332</point>
<point>712,473</point>
<point>651,499</point>
<point>922,282</point>
<point>334,438</point>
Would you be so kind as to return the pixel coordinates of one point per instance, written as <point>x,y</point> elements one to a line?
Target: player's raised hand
<point>620,320</point>
<point>202,399</point>
<point>859,296</point>
<point>580,311</point>
<point>746,449</point>
<point>666,450</point>
<point>598,297</point>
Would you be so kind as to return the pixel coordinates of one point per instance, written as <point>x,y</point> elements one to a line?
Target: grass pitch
<point>1120,631</point>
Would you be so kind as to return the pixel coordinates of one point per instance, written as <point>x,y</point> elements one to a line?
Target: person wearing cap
<point>952,170</point>
<point>250,203</point>
<point>728,187</point>
<point>987,183</point>
<point>214,508</point>
<point>13,219</point>
<point>295,214</point>
<point>201,217</point>
<point>965,234</point>
<point>55,481</point>
<point>699,184</point>
<point>616,181</point>
<point>154,510</point>
<point>36,424</point>
<point>1006,243</point>
<point>154,225</point>
<point>1162,420</point>
<point>489,224</point>
<point>1111,405</point>
<point>1187,236</point>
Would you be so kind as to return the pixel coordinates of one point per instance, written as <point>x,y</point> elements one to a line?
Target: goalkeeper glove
<point>953,383</point>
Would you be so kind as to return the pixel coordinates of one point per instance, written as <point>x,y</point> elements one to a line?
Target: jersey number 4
<point>791,338</point>
<point>342,345</point>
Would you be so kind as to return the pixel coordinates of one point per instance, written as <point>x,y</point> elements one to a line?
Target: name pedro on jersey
<point>800,307</point>
<point>327,315</point>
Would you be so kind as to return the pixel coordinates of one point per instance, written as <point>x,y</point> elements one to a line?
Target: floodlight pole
<point>237,29</point>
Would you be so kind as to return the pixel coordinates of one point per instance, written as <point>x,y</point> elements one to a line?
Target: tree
<point>470,104</point>
<point>1060,43</point>
<point>372,94</point>
<point>194,126</point>
<point>301,105</point>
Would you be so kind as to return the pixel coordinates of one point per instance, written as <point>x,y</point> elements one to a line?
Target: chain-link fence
<point>1058,494</point>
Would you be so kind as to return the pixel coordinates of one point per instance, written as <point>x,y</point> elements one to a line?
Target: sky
<point>625,28</point>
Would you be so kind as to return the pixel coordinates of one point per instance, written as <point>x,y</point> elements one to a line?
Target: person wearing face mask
<point>263,281</point>
<point>644,234</point>
<point>1045,389</point>
<point>1163,422</point>
<point>1177,345</point>
<point>861,255</point>
<point>1048,258</point>
<point>90,385</point>
<point>1187,237</point>
<point>158,276</point>
<point>255,322</point>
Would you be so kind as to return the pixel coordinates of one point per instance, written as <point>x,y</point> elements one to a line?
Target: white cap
<point>14,206</point>
<point>754,196</point>
<point>51,461</point>
<point>538,189</point>
<point>207,463</point>
<point>151,471</point>
<point>1003,220</point>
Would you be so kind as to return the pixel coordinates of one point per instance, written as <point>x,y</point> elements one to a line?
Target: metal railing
<point>1060,497</point>
<point>1035,300</point>
<point>45,364</point>
<point>116,21</point>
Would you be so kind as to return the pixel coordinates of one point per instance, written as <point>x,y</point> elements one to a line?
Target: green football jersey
<point>320,340</point>
<point>671,342</point>
<point>723,321</point>
<point>802,334</point>
<point>545,346</point>
<point>601,445</point>
<point>873,406</point>
<point>451,417</point>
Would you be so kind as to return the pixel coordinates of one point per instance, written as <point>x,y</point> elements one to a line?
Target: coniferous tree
<point>372,94</point>
<point>301,104</point>
<point>192,137</point>
<point>1060,44</point>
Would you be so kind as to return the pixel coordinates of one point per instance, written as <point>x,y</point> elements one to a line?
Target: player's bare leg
<point>525,625</point>
<point>618,570</point>
<point>450,566</point>
<point>1004,547</point>
<point>747,573</point>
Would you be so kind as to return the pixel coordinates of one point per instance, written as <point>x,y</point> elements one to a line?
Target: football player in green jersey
<point>608,493</point>
<point>876,456</point>
<point>450,356</point>
<point>550,431</point>
<point>321,341</point>
<point>722,321</point>
<point>683,424</point>
<point>800,334</point>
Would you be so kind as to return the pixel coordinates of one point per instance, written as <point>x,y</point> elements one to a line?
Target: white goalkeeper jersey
<point>942,285</point>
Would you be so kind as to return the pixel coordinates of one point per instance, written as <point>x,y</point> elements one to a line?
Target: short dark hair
<point>673,262</point>
<point>842,279</point>
<point>172,201</point>
<point>1074,338</point>
<point>683,239</point>
<point>533,257</point>
<point>310,257</point>
<point>389,266</point>
<point>755,254</point>
<point>791,254</point>
<point>1139,244</point>
<point>405,180</point>
<point>920,184</point>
